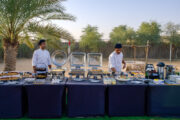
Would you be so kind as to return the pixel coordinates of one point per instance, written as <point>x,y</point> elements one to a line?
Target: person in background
<point>116,60</point>
<point>41,56</point>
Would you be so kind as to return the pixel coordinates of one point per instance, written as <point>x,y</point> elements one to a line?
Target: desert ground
<point>25,64</point>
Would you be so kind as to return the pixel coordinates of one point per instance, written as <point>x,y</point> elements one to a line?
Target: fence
<point>156,51</point>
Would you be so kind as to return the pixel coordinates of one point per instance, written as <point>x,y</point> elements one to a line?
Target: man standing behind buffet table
<point>41,56</point>
<point>116,60</point>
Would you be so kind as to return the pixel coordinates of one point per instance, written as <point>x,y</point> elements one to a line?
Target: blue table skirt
<point>126,100</point>
<point>11,101</point>
<point>45,101</point>
<point>164,100</point>
<point>85,99</point>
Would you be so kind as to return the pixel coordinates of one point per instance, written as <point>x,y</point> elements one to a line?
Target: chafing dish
<point>95,74</point>
<point>41,71</point>
<point>59,59</point>
<point>77,64</point>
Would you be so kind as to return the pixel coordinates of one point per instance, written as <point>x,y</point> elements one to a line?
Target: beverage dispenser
<point>160,70</point>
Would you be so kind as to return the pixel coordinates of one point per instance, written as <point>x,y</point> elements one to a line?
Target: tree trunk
<point>170,52</point>
<point>10,54</point>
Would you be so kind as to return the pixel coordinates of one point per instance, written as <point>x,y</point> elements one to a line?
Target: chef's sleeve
<point>34,59</point>
<point>49,59</point>
<point>111,62</point>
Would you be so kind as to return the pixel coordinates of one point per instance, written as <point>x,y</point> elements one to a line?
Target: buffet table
<point>45,100</point>
<point>163,100</point>
<point>126,99</point>
<point>85,99</point>
<point>11,101</point>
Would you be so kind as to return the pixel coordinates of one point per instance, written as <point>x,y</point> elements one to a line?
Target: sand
<point>25,64</point>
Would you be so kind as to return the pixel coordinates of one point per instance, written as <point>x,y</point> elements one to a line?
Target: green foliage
<point>123,34</point>
<point>172,34</point>
<point>91,39</point>
<point>149,31</point>
<point>24,51</point>
<point>22,21</point>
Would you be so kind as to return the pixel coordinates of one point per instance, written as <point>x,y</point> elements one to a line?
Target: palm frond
<point>49,31</point>
<point>54,44</point>
<point>16,14</point>
<point>59,17</point>
<point>26,39</point>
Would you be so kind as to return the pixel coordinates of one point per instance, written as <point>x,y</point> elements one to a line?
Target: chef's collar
<point>42,49</point>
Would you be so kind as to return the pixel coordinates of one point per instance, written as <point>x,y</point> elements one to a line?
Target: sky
<point>107,14</point>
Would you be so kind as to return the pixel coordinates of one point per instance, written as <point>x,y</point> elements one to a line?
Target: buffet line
<point>88,91</point>
<point>89,67</point>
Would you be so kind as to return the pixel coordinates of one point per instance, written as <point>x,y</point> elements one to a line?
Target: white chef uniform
<point>41,58</point>
<point>115,61</point>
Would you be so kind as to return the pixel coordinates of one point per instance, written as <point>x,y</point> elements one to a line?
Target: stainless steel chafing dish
<point>95,74</point>
<point>41,71</point>
<point>59,59</point>
<point>77,65</point>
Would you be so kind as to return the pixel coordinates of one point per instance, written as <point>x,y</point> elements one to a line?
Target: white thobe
<point>41,58</point>
<point>115,61</point>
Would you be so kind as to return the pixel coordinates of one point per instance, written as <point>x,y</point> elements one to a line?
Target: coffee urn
<point>160,70</point>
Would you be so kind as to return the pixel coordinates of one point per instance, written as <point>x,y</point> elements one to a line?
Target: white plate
<point>29,79</point>
<point>123,80</point>
<point>94,81</point>
<point>136,82</point>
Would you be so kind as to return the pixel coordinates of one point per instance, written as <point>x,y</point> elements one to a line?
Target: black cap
<point>160,64</point>
<point>41,41</point>
<point>118,46</point>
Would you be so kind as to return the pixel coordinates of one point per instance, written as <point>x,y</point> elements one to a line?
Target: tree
<point>22,21</point>
<point>123,34</point>
<point>91,38</point>
<point>148,31</point>
<point>171,33</point>
<point>1,49</point>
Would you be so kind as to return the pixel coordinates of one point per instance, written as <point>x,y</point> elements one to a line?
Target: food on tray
<point>14,78</point>
<point>77,71</point>
<point>5,76</point>
<point>3,79</point>
<point>8,73</point>
<point>41,76</point>
<point>137,74</point>
<point>106,72</point>
<point>96,71</point>
<point>27,75</point>
<point>9,78</point>
<point>57,70</point>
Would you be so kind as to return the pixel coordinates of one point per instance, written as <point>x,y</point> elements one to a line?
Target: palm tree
<point>23,21</point>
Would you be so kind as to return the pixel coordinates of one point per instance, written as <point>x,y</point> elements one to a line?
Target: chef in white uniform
<point>116,60</point>
<point>41,57</point>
